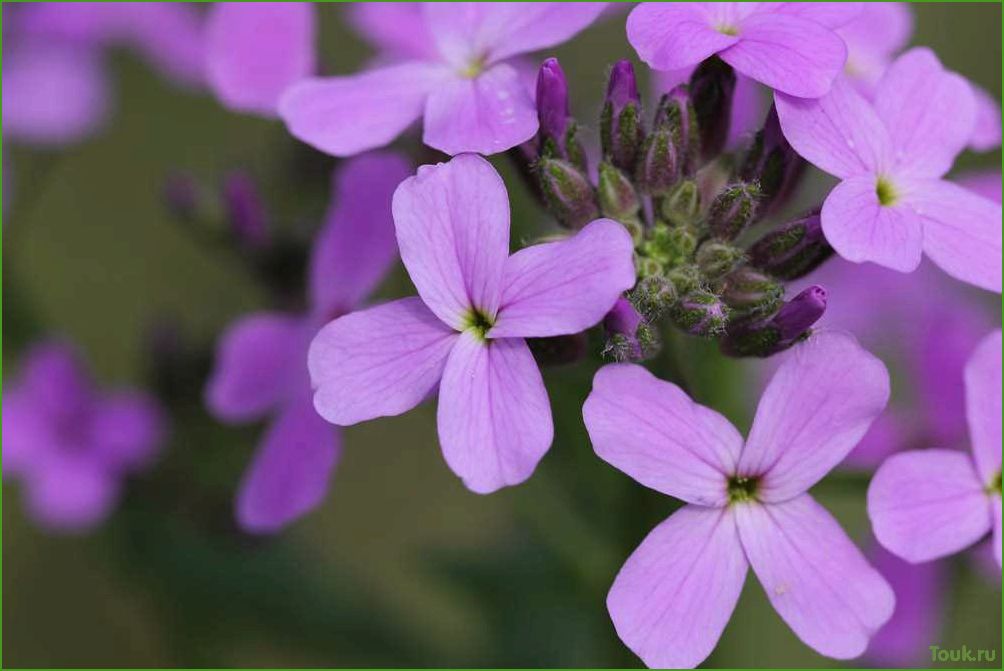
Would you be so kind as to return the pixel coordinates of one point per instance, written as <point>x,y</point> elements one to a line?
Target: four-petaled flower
<point>466,333</point>
<point>747,504</point>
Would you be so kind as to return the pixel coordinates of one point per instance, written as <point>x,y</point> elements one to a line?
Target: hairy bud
<point>717,259</point>
<point>621,129</point>
<point>558,130</point>
<point>701,313</point>
<point>652,296</point>
<point>752,294</point>
<point>773,164</point>
<point>790,325</point>
<point>669,245</point>
<point>792,250</point>
<point>711,88</point>
<point>733,210</point>
<point>567,192</point>
<point>629,337</point>
<point>617,196</point>
<point>682,205</point>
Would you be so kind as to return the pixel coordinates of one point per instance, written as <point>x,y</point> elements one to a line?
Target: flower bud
<point>682,205</point>
<point>685,278</point>
<point>557,128</point>
<point>245,210</point>
<point>752,294</point>
<point>658,166</point>
<point>676,112</point>
<point>790,325</point>
<point>733,210</point>
<point>711,89</point>
<point>773,164</point>
<point>793,250</point>
<point>701,313</point>
<point>629,337</point>
<point>797,315</point>
<point>617,196</point>
<point>717,259</point>
<point>621,128</point>
<point>671,246</point>
<point>652,296</point>
<point>567,191</point>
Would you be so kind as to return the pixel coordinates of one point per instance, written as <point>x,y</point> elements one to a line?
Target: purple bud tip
<point>245,210</point>
<point>622,318</point>
<point>552,99</point>
<point>623,87</point>
<point>801,312</point>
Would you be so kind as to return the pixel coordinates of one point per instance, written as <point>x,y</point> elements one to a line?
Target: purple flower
<point>465,333</point>
<point>789,46</point>
<point>70,444</point>
<point>747,504</point>
<point>255,51</point>
<point>930,503</point>
<point>471,98</point>
<point>261,359</point>
<point>892,204</point>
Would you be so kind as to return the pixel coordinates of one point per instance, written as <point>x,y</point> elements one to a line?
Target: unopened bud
<point>658,166</point>
<point>676,112</point>
<point>629,337</point>
<point>685,278</point>
<point>717,259</point>
<point>671,246</point>
<point>797,315</point>
<point>752,294</point>
<point>621,128</point>
<point>773,164</point>
<point>617,196</point>
<point>733,210</point>
<point>701,313</point>
<point>558,130</point>
<point>790,325</point>
<point>711,89</point>
<point>567,191</point>
<point>652,296</point>
<point>682,205</point>
<point>245,210</point>
<point>793,250</point>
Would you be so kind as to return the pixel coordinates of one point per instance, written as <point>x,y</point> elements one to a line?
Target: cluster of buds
<point>692,211</point>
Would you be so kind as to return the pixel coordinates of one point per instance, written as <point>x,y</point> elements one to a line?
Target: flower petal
<point>815,577</point>
<point>289,474</point>
<point>672,36</point>
<point>378,362</point>
<point>926,504</point>
<point>357,245</point>
<point>258,361</point>
<point>651,430</point>
<point>494,416</point>
<point>486,114</point>
<point>995,510</point>
<point>817,407</point>
<point>70,494</point>
<point>930,113</point>
<point>962,231</point>
<point>873,37</point>
<point>255,51</point>
<point>861,229</point>
<point>677,590</point>
<point>346,115</point>
<point>397,29</point>
<point>788,53</point>
<point>987,129</point>
<point>558,288</point>
<point>452,222</point>
<point>983,406</point>
<point>128,430</point>
<point>838,133</point>
<point>829,14</point>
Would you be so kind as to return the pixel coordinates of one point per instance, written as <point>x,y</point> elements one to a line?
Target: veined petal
<point>452,222</point>
<point>926,504</point>
<point>378,362</point>
<point>829,14</point>
<point>565,287</point>
<point>677,590</point>
<point>815,577</point>
<point>651,430</point>
<point>672,36</point>
<point>494,416</point>
<point>983,406</point>
<point>817,407</point>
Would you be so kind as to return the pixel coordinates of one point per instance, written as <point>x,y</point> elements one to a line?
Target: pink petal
<point>258,362</point>
<point>962,231</point>
<point>452,223</point>
<point>171,35</point>
<point>983,406</point>
<point>861,229</point>
<point>346,115</point>
<point>986,183</point>
<point>829,14</point>
<point>673,36</point>
<point>70,494</point>
<point>357,245</point>
<point>255,51</point>
<point>878,32</point>
<point>486,114</point>
<point>987,129</point>
<point>838,133</point>
<point>291,470</point>
<point>930,113</point>
<point>926,504</point>
<point>652,431</point>
<point>397,29</point>
<point>378,362</point>
<point>790,54</point>
<point>27,433</point>
<point>565,287</point>
<point>677,590</point>
<point>494,416</point>
<point>129,429</point>
<point>815,577</point>
<point>817,407</point>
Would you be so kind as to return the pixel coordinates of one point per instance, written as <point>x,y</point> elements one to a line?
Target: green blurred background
<point>401,565</point>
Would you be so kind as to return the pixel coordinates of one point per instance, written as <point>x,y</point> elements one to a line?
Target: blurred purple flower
<point>465,333</point>
<point>472,99</point>
<point>70,444</point>
<point>789,46</point>
<point>931,503</point>
<point>261,360</point>
<point>893,204</point>
<point>245,210</point>
<point>746,504</point>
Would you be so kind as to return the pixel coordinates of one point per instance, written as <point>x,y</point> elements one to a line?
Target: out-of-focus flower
<point>472,99</point>
<point>245,211</point>
<point>70,444</point>
<point>931,503</point>
<point>261,361</point>
<point>465,333</point>
<point>790,46</point>
<point>257,50</point>
<point>893,204</point>
<point>746,504</point>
